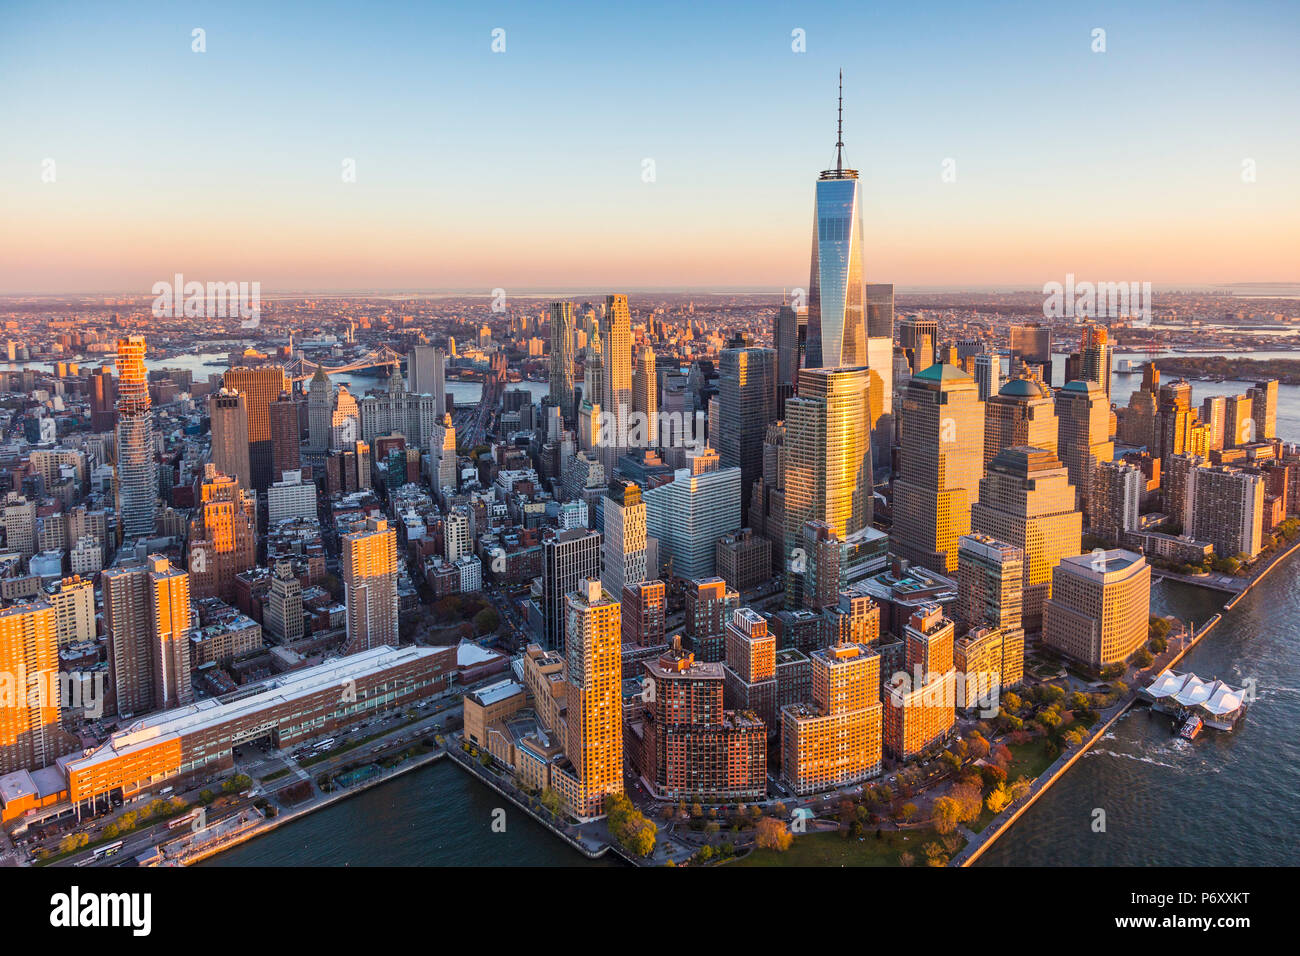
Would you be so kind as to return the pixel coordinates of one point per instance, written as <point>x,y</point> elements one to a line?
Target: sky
<point>643,145</point>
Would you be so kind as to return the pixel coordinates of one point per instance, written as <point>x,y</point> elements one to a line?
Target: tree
<point>999,799</point>
<point>772,834</point>
<point>969,801</point>
<point>907,811</point>
<point>945,814</point>
<point>486,621</point>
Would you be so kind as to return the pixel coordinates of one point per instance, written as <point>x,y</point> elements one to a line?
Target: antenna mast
<point>839,131</point>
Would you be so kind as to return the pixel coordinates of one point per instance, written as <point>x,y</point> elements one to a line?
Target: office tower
<point>990,580</point>
<point>286,441</point>
<point>282,617</point>
<point>941,457</point>
<point>147,624</point>
<point>918,338</point>
<point>427,371</point>
<point>835,740</point>
<point>562,359</point>
<point>921,703</point>
<point>828,475</point>
<point>260,386</point>
<point>137,466</point>
<point>1174,419</point>
<point>743,559</point>
<point>73,600</point>
<point>398,411</point>
<point>169,607</point>
<point>1238,422</point>
<point>320,412</point>
<point>1021,413</point>
<point>1263,409</point>
<point>1227,509</point>
<point>1026,500</point>
<point>837,284</point>
<point>31,736</point>
<point>1099,612</point>
<point>369,571</point>
<point>591,431</point>
<point>103,399</point>
<point>443,451</point>
<point>1083,436</point>
<point>644,613</point>
<point>228,413</point>
<point>747,405</point>
<point>988,374</point>
<point>788,336</point>
<point>593,670</point>
<point>567,559</point>
<point>687,746</point>
<point>689,514</point>
<point>1116,497</point>
<point>1031,344</point>
<point>290,497</point>
<point>625,536</point>
<point>1214,412</point>
<point>1094,357</point>
<point>616,357</point>
<point>345,420</point>
<point>222,535</point>
<point>709,603</point>
<point>645,398</point>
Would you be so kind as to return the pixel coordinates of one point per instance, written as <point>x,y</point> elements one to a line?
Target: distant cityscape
<point>685,578</point>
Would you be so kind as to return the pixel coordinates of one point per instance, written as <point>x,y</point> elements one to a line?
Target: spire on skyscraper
<point>839,130</point>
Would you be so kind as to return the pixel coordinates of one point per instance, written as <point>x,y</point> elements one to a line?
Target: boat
<point>1191,727</point>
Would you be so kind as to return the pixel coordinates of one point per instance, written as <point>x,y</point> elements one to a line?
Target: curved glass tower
<point>137,469</point>
<point>837,334</point>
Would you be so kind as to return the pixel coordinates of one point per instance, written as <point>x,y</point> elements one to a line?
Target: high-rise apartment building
<point>709,606</point>
<point>990,580</point>
<point>941,456</point>
<point>835,740</point>
<point>286,437</point>
<point>369,569</point>
<point>1099,612</point>
<point>170,615</point>
<point>593,670</point>
<point>1116,496</point>
<point>31,735</point>
<point>1094,357</point>
<point>644,613</point>
<point>921,704</point>
<point>1263,409</point>
<point>1227,509</point>
<point>147,624</point>
<point>137,465</point>
<point>282,616</point>
<point>562,329</point>
<point>645,398</point>
<point>73,600</point>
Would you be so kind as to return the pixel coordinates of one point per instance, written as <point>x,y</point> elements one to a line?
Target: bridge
<point>301,369</point>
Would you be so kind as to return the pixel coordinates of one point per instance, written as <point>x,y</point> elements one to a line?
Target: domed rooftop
<point>1023,388</point>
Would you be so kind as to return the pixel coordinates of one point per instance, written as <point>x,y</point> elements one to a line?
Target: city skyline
<point>1037,188</point>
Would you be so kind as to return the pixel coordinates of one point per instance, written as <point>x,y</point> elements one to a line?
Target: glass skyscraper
<point>137,468</point>
<point>837,334</point>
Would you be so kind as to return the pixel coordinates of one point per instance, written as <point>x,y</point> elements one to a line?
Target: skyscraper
<point>1100,608</point>
<point>747,405</point>
<point>880,359</point>
<point>625,537</point>
<point>837,284</point>
<point>228,414</point>
<point>689,514</point>
<point>567,559</point>
<point>369,568</point>
<point>593,670</point>
<point>645,398</point>
<point>1031,344</point>
<point>789,335</point>
<point>828,455</point>
<point>137,467</point>
<point>1094,357</point>
<point>1021,413</point>
<point>1026,500</point>
<point>1083,436</point>
<point>31,736</point>
<point>644,611</point>
<point>320,409</point>
<point>260,387</point>
<point>147,623</point>
<point>562,359</point>
<point>222,535</point>
<point>169,607</point>
<point>286,441</point>
<point>940,460</point>
<point>616,355</point>
<point>427,372</point>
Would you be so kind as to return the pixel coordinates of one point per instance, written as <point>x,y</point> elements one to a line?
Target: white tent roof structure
<point>1190,691</point>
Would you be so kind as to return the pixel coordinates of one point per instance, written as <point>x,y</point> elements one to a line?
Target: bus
<point>108,849</point>
<point>183,819</point>
<point>325,744</point>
